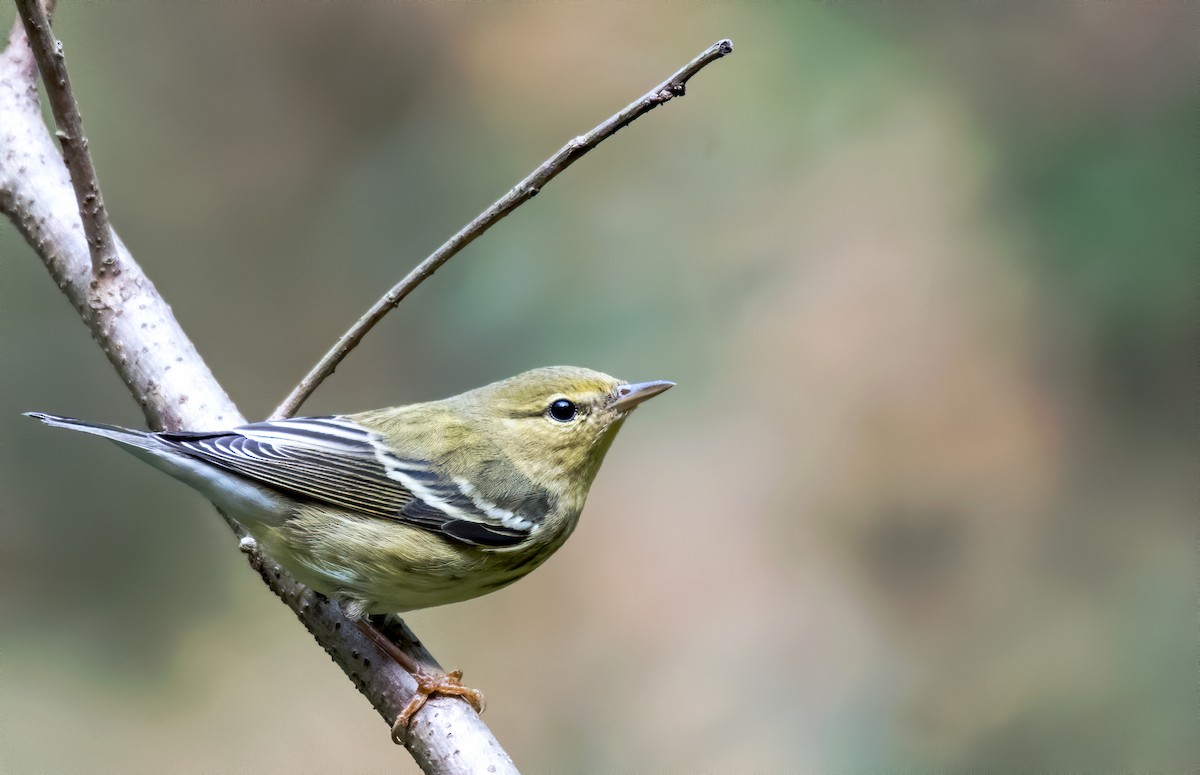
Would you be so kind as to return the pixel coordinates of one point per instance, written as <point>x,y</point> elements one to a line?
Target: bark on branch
<point>50,59</point>
<point>163,371</point>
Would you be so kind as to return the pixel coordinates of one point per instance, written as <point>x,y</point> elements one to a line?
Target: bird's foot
<point>428,684</point>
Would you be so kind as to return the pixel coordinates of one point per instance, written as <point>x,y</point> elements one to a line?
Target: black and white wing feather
<point>335,461</point>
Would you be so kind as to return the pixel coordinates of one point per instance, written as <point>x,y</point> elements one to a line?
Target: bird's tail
<point>125,436</point>
<point>245,500</point>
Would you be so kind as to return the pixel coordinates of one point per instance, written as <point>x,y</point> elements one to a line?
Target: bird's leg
<point>428,682</point>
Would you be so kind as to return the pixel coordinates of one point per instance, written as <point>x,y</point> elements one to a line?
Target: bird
<point>408,507</point>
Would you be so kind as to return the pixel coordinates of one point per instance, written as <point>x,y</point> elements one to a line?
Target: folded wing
<point>335,461</point>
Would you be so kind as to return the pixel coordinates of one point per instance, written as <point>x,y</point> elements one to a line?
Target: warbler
<point>396,509</point>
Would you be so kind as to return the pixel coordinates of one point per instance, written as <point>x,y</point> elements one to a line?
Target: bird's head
<point>557,422</point>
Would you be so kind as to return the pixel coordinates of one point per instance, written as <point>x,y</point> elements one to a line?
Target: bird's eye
<point>563,410</point>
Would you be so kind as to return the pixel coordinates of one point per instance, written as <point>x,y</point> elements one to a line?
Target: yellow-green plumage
<point>413,506</point>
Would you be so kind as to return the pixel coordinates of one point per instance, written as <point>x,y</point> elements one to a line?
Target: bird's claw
<point>428,684</point>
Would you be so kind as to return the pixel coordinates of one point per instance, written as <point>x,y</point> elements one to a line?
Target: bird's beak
<point>629,396</point>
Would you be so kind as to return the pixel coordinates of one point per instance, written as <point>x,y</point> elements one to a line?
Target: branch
<point>50,59</point>
<point>160,366</point>
<point>521,193</point>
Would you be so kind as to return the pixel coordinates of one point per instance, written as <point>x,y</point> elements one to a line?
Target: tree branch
<point>48,202</point>
<point>529,187</point>
<point>50,59</point>
<point>160,366</point>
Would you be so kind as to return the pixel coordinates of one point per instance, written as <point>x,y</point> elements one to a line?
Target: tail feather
<point>114,432</point>
<point>245,500</point>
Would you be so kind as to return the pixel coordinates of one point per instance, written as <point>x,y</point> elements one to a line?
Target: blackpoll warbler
<point>415,506</point>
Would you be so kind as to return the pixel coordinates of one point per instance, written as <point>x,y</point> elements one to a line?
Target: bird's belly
<point>371,567</point>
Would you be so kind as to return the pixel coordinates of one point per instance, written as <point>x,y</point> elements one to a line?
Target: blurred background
<point>924,499</point>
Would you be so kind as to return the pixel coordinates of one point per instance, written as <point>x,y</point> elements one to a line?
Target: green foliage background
<point>924,498</point>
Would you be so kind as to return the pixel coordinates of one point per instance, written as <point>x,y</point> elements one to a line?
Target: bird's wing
<point>336,461</point>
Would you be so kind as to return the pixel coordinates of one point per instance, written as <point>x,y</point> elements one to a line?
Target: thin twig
<point>521,193</point>
<point>48,51</point>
